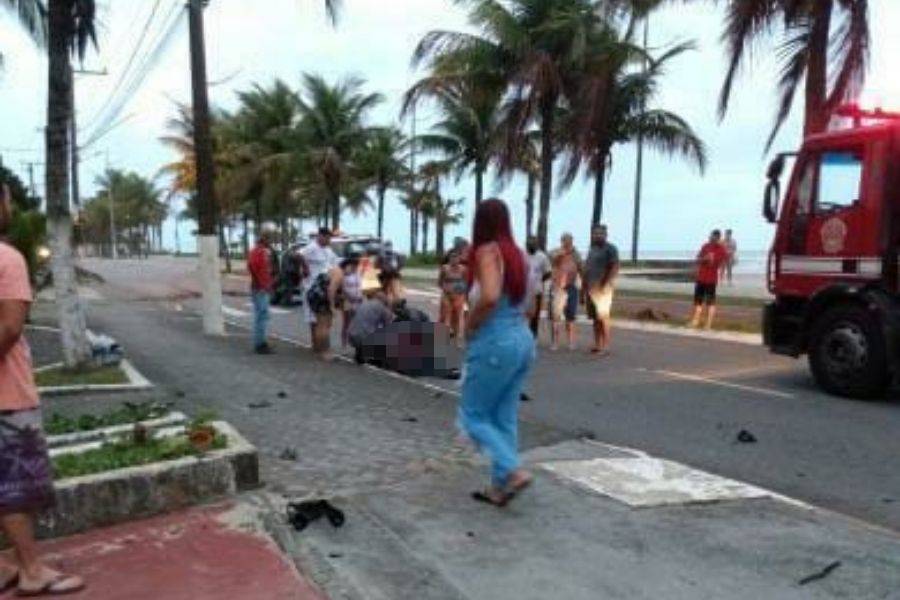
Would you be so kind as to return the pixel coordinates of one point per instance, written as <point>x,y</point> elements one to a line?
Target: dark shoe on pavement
<point>264,349</point>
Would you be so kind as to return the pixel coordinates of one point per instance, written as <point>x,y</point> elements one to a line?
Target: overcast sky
<point>374,39</point>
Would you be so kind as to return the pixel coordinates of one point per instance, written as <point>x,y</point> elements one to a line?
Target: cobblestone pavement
<point>323,428</point>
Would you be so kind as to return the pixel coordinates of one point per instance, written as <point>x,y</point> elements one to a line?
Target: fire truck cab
<point>833,266</point>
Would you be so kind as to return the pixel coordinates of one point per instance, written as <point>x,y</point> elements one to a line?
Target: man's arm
<point>12,322</point>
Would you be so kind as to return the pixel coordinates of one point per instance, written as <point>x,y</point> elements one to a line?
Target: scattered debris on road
<point>263,404</point>
<point>410,420</point>
<point>288,454</point>
<point>821,574</point>
<point>282,394</point>
<point>301,514</point>
<point>745,437</point>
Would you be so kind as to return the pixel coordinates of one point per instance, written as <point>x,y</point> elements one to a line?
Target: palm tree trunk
<point>424,234</point>
<point>76,349</point>
<point>382,189</point>
<point>439,232</point>
<point>529,205</point>
<point>546,173</point>
<point>245,236</point>
<point>599,184</point>
<point>479,184</point>
<point>226,250</point>
<point>817,116</point>
<point>335,211</point>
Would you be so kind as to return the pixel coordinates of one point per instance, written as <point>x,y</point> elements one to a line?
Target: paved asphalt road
<point>679,398</point>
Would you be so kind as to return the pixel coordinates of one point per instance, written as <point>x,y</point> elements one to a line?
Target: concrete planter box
<point>103,499</point>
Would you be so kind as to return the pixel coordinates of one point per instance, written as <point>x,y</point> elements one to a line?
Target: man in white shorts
<point>600,271</point>
<point>318,259</point>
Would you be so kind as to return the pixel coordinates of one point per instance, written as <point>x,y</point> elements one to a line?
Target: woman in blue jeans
<point>500,350</point>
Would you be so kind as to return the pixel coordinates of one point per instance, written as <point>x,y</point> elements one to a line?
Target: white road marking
<point>645,481</point>
<point>725,384</point>
<point>422,293</point>
<point>275,310</point>
<point>234,312</point>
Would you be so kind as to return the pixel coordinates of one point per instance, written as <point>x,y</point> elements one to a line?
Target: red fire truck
<point>833,266</point>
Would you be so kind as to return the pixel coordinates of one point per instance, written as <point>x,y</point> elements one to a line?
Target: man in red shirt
<point>710,259</point>
<point>262,284</point>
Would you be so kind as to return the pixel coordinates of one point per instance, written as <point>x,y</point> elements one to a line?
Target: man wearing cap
<point>320,268</point>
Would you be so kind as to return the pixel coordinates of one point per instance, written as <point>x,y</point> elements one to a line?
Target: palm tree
<point>525,161</point>
<point>445,213</point>
<point>468,137</point>
<point>70,27</point>
<point>612,106</point>
<point>382,161</point>
<point>32,15</point>
<point>333,126</point>
<point>824,43</point>
<point>531,48</point>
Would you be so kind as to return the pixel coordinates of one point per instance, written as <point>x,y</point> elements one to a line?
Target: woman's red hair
<point>492,225</point>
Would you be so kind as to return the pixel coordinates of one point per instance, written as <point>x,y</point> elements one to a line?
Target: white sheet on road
<point>645,481</point>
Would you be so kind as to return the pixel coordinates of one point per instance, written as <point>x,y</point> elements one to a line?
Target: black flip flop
<point>481,496</point>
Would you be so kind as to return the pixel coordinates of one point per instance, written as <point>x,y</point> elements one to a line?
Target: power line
<point>130,61</point>
<point>118,103</point>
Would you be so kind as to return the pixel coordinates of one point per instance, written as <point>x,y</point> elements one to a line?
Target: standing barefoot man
<point>600,271</point>
<point>709,263</point>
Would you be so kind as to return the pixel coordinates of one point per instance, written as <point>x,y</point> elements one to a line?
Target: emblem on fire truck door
<point>834,234</point>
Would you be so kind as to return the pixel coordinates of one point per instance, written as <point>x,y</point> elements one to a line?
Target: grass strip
<point>126,453</point>
<point>59,424</point>
<point>63,377</point>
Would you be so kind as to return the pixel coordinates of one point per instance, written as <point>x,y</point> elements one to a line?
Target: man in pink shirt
<point>26,486</point>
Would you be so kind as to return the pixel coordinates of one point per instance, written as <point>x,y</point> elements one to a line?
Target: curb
<point>99,435</point>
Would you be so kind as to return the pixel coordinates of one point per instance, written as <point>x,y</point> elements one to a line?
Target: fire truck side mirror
<point>772,196</point>
<point>772,200</point>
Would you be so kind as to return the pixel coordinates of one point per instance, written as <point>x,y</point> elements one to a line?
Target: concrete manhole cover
<point>645,481</point>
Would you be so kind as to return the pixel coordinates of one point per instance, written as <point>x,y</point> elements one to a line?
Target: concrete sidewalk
<point>686,535</point>
<point>208,553</point>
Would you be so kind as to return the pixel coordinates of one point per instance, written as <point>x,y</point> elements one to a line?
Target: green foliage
<point>429,259</point>
<point>129,413</point>
<point>63,376</point>
<point>28,233</point>
<point>128,453</point>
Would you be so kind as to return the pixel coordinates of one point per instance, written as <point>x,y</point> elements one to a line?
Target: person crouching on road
<point>26,486</point>
<point>564,290</point>
<point>322,278</point>
<point>262,284</point>
<point>500,350</point>
<point>350,295</point>
<point>709,263</point>
<point>600,271</point>
<point>375,313</point>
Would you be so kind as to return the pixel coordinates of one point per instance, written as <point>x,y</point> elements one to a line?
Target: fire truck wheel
<point>847,353</point>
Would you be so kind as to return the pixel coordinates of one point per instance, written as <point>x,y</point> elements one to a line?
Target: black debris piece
<point>288,454</point>
<point>301,514</point>
<point>523,397</point>
<point>179,394</point>
<point>410,420</point>
<point>745,437</point>
<point>282,394</point>
<point>335,555</point>
<point>821,574</point>
<point>470,534</point>
<point>262,404</point>
<point>438,395</point>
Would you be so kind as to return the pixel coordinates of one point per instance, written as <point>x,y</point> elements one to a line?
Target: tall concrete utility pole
<point>207,239</point>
